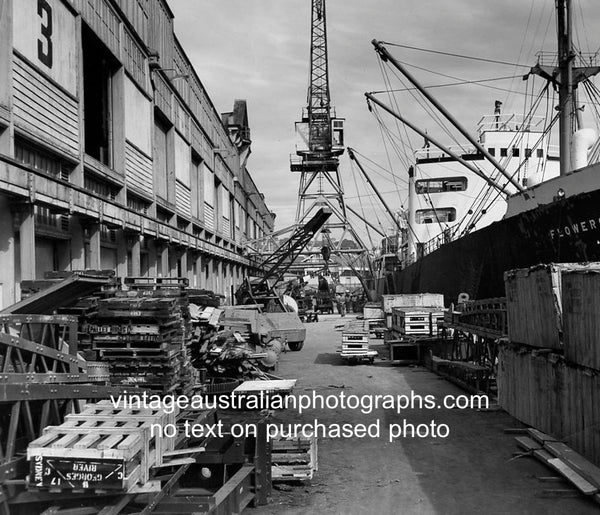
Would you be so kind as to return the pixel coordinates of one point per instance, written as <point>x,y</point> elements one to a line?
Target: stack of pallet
<point>294,459</point>
<point>549,369</point>
<point>144,336</point>
<point>101,448</point>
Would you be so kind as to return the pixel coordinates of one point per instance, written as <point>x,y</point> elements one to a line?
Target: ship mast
<point>565,90</point>
<point>565,78</point>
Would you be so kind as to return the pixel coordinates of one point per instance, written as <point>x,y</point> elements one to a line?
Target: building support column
<point>95,250</point>
<point>122,268</point>
<point>164,261</point>
<point>152,257</point>
<point>136,255</point>
<point>184,265</point>
<point>27,243</point>
<point>77,244</point>
<point>7,255</point>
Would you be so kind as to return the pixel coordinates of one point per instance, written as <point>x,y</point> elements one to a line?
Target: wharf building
<point>112,155</point>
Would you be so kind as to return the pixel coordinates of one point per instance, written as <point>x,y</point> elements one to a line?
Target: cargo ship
<point>541,203</point>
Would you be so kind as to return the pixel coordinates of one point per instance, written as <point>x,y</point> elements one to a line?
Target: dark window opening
<point>41,160</point>
<point>430,216</point>
<point>161,159</point>
<point>100,187</point>
<point>492,151</point>
<point>503,152</point>
<point>540,152</point>
<point>527,152</point>
<point>441,185</point>
<point>98,68</point>
<point>515,151</point>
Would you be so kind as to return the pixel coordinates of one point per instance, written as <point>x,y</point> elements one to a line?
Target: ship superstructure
<point>447,201</point>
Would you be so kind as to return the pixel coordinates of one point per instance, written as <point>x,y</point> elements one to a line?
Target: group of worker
<point>345,302</point>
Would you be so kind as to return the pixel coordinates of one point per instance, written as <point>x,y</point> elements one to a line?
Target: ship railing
<point>436,242</point>
<point>510,123</point>
<point>550,59</point>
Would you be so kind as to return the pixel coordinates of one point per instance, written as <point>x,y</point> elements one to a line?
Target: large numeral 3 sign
<point>45,44</point>
<point>45,33</point>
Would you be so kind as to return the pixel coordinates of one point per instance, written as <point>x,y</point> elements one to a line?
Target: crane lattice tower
<point>320,142</point>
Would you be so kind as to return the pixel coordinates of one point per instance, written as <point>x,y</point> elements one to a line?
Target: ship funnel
<point>583,140</point>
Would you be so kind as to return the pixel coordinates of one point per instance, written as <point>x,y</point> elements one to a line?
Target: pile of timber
<point>294,459</point>
<point>231,354</point>
<point>584,475</point>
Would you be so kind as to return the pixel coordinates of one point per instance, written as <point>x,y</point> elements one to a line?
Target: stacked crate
<point>144,336</point>
<point>412,301</point>
<point>355,342</point>
<point>581,316</point>
<point>416,321</point>
<point>549,371</point>
<point>102,448</point>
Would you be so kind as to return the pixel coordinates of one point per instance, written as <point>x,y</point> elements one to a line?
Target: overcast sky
<point>259,50</point>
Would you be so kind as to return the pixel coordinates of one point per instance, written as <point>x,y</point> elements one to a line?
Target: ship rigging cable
<point>483,59</point>
<point>460,83</point>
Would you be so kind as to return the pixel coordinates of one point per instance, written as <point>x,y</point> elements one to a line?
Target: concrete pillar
<point>173,258</point>
<point>77,244</point>
<point>164,261</point>
<point>152,258</point>
<point>199,271</point>
<point>122,268</point>
<point>27,242</point>
<point>184,265</point>
<point>95,259</point>
<point>211,274</point>
<point>218,269</point>
<point>136,248</point>
<point>7,255</point>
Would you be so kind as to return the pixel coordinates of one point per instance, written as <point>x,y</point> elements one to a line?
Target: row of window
<point>516,152</point>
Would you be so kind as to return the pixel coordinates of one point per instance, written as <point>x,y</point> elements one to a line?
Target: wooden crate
<point>534,304</point>
<point>412,300</point>
<point>416,321</point>
<point>552,395</point>
<point>101,448</point>
<point>373,310</point>
<point>294,459</point>
<point>581,317</point>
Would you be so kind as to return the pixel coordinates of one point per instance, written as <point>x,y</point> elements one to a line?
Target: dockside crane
<point>320,142</point>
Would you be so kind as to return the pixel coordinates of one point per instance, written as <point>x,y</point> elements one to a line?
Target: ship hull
<point>563,231</point>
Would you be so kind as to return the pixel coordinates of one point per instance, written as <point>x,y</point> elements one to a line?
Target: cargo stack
<point>549,369</point>
<point>409,318</point>
<point>145,337</point>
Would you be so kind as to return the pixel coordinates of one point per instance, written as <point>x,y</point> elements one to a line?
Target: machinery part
<point>295,346</point>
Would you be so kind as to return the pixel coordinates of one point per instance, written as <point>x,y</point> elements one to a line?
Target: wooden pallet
<point>101,448</point>
<point>294,459</point>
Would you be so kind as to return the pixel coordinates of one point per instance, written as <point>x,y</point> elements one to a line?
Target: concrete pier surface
<point>472,470</point>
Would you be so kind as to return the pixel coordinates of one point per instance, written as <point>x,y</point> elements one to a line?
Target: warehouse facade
<point>112,155</point>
